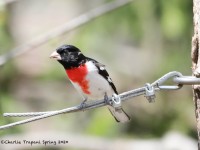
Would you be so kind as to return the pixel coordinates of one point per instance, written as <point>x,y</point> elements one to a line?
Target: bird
<point>89,77</point>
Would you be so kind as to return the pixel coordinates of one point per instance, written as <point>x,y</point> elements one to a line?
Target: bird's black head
<point>69,56</point>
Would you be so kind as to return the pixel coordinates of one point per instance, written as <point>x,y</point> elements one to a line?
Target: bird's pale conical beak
<point>55,55</point>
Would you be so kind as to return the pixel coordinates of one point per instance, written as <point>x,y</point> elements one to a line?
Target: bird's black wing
<point>119,114</point>
<point>103,72</point>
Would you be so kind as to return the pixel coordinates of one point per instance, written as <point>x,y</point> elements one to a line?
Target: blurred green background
<point>138,43</point>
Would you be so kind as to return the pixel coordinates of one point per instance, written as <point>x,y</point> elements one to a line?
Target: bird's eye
<point>62,52</point>
<point>59,51</point>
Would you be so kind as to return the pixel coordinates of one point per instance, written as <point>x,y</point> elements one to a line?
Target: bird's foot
<point>83,104</point>
<point>106,99</point>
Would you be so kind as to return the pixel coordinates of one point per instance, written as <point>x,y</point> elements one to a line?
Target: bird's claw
<point>106,99</point>
<point>83,104</point>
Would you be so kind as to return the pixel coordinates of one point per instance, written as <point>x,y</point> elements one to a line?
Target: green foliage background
<point>159,27</point>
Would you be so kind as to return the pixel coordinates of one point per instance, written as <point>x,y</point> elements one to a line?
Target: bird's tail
<point>119,114</point>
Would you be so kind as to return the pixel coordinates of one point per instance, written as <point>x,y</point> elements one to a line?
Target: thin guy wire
<point>124,96</point>
<point>99,103</point>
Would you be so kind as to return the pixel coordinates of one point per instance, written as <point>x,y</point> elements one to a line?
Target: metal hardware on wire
<point>148,91</point>
<point>116,101</point>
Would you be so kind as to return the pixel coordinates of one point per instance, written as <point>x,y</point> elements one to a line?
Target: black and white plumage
<point>89,77</point>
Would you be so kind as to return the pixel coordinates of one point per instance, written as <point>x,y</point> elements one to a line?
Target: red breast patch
<point>78,75</point>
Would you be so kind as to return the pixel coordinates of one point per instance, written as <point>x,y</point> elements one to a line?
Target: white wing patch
<point>102,68</point>
<point>91,67</point>
<point>109,79</point>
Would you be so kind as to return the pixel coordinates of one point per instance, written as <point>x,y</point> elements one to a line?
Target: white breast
<point>98,85</point>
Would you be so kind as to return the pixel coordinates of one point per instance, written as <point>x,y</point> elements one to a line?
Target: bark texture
<point>195,54</point>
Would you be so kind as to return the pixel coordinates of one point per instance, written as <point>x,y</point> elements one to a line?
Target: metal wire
<point>159,83</point>
<point>187,80</point>
<point>86,106</point>
<point>148,91</point>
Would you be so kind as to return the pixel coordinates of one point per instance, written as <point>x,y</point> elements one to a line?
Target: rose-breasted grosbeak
<point>88,76</point>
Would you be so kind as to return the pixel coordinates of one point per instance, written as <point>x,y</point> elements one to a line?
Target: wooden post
<point>195,54</point>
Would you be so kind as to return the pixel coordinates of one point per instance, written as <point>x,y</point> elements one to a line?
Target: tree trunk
<point>195,53</point>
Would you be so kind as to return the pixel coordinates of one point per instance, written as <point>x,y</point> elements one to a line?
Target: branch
<point>65,28</point>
